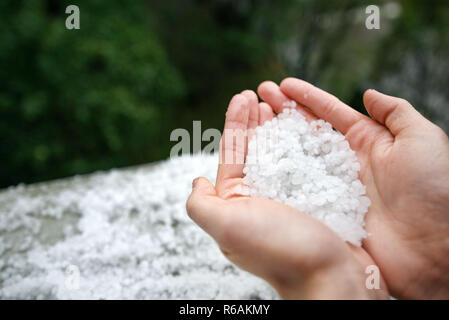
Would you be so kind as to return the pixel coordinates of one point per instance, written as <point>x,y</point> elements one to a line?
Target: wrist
<point>336,283</point>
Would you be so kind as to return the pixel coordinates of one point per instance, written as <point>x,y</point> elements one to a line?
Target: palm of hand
<point>408,186</point>
<point>405,167</point>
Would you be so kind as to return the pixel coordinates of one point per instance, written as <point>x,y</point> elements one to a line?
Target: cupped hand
<point>297,254</point>
<point>405,167</point>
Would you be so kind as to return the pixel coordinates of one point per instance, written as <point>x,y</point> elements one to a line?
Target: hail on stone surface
<point>126,232</point>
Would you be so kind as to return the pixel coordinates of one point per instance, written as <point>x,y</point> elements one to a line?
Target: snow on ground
<point>122,234</point>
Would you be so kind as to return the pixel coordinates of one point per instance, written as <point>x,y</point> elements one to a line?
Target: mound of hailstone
<point>122,234</point>
<point>311,167</point>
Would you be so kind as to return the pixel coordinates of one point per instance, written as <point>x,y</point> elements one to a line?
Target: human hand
<point>405,166</point>
<point>296,253</point>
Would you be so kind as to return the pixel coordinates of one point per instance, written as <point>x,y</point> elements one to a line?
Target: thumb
<point>204,206</point>
<point>203,187</point>
<point>395,113</point>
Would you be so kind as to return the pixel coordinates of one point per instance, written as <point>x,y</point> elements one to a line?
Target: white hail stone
<point>311,167</point>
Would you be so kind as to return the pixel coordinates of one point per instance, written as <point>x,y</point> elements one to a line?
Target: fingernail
<point>194,182</point>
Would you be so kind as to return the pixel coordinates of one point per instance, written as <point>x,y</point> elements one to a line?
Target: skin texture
<point>405,166</point>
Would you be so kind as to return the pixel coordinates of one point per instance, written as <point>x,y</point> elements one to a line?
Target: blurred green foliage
<point>80,100</point>
<point>108,95</point>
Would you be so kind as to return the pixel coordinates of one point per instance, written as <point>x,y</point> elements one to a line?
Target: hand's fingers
<point>322,104</point>
<point>272,94</point>
<point>265,113</point>
<point>395,113</point>
<point>233,143</point>
<point>253,120</point>
<point>203,206</point>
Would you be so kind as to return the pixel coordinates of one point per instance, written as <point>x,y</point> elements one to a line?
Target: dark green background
<point>109,94</point>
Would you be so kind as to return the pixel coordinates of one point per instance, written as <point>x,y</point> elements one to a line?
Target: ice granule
<point>126,231</point>
<point>311,167</point>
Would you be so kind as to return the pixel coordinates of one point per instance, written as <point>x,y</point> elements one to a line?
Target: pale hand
<point>297,254</point>
<point>405,167</point>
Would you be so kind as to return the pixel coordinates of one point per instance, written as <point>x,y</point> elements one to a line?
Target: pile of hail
<point>311,167</point>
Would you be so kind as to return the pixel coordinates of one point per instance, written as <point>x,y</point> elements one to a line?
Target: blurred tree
<point>219,53</point>
<point>108,95</point>
<point>74,101</point>
<point>413,59</point>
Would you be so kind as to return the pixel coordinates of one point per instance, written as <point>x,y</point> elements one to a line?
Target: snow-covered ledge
<point>122,234</point>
